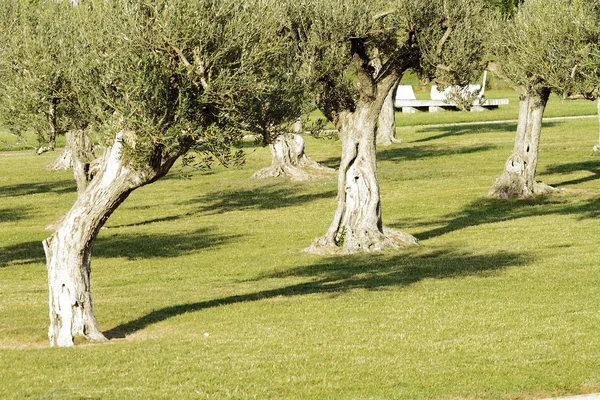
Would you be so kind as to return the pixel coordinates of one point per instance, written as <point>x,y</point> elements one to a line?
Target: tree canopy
<point>36,91</point>
<point>551,43</point>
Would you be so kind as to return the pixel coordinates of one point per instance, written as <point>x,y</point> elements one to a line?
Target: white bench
<point>406,100</point>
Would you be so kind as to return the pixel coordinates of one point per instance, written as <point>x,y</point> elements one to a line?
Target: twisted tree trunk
<point>69,249</point>
<point>357,224</point>
<point>518,179</point>
<point>386,125</point>
<point>289,159</point>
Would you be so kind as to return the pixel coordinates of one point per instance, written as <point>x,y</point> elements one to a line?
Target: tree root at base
<point>507,187</point>
<point>368,242</point>
<point>301,173</point>
<point>389,142</point>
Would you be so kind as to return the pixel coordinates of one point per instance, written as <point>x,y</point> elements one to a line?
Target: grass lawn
<point>204,290</point>
<point>556,108</point>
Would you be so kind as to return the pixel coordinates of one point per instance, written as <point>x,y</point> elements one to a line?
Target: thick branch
<point>198,69</point>
<point>444,39</point>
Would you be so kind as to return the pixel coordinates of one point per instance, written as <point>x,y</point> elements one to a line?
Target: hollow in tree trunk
<point>69,249</point>
<point>357,224</point>
<point>518,179</point>
<point>290,159</point>
<point>386,125</point>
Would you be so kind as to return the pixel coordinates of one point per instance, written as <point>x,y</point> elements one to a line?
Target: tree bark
<point>386,125</point>
<point>518,179</point>
<point>289,159</point>
<point>298,126</point>
<point>357,224</point>
<point>69,249</point>
<point>77,154</point>
<point>52,131</point>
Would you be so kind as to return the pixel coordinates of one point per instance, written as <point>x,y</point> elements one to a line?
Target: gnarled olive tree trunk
<point>386,125</point>
<point>357,224</point>
<point>518,179</point>
<point>69,249</point>
<point>290,159</point>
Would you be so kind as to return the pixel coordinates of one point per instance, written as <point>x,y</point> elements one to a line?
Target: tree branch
<point>444,39</point>
<point>198,69</point>
<point>382,14</point>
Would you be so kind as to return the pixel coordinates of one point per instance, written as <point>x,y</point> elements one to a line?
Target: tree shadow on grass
<point>461,130</point>
<point>338,275</point>
<point>22,254</point>
<point>150,221</point>
<point>487,211</point>
<point>266,197</point>
<point>13,214</point>
<point>442,132</point>
<point>422,152</point>
<point>136,247</point>
<point>132,247</point>
<point>26,189</point>
<point>418,153</point>
<point>591,166</point>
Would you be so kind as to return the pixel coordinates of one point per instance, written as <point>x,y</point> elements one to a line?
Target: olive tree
<point>158,79</point>
<point>355,52</point>
<point>34,92</point>
<point>271,114</point>
<point>545,46</point>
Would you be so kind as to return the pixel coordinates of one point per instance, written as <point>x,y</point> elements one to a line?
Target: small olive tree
<point>270,116</point>
<point>34,92</point>
<point>545,46</point>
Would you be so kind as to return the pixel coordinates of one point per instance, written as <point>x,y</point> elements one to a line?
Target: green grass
<point>26,141</point>
<point>556,108</point>
<point>501,300</point>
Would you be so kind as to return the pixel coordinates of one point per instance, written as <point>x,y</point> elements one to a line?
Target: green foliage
<point>390,36</point>
<point>508,7</point>
<point>37,39</point>
<point>175,73</point>
<point>452,43</point>
<point>549,43</point>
